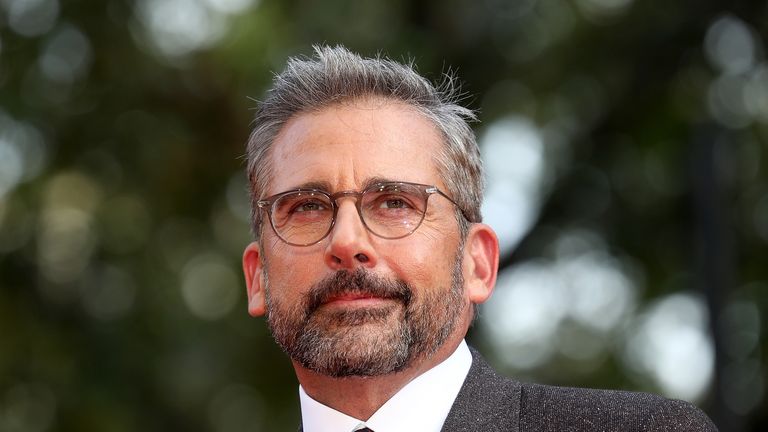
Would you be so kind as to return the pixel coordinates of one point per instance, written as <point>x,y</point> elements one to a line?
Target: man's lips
<point>359,299</point>
<point>358,289</point>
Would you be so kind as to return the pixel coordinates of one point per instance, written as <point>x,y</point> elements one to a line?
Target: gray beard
<point>371,341</point>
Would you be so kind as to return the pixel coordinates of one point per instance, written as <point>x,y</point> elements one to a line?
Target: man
<point>370,256</point>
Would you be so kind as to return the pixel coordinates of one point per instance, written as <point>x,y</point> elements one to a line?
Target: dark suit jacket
<point>490,402</point>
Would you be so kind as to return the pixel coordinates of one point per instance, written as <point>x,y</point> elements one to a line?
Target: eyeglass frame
<point>429,190</point>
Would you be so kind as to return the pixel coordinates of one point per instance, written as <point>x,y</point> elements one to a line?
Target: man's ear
<point>253,267</point>
<point>481,262</point>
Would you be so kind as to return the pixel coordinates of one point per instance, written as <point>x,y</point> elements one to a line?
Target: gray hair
<point>336,75</point>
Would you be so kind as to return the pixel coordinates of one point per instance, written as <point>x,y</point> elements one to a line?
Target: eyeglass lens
<point>389,211</point>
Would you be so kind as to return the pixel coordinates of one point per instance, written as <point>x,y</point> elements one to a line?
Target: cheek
<point>291,272</point>
<point>425,262</point>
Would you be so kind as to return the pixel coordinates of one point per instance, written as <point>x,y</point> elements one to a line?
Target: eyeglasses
<point>390,210</point>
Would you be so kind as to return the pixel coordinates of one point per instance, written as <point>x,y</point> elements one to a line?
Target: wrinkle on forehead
<point>369,104</point>
<point>396,135</point>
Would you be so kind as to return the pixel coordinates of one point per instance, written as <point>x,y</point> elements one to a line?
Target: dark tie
<point>364,430</point>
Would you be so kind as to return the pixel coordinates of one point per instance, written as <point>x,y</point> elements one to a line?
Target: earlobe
<point>254,279</point>
<point>481,254</point>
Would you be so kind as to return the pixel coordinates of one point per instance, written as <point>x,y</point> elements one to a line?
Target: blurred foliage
<point>123,208</point>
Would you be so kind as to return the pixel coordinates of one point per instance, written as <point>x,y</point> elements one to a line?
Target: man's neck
<point>361,397</point>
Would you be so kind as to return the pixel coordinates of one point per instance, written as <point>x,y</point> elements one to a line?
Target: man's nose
<point>349,246</point>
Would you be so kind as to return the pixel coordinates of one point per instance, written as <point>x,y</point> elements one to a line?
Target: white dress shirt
<point>422,405</point>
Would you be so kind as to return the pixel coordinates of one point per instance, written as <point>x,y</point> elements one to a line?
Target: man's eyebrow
<point>321,185</point>
<point>325,186</point>
<point>374,180</point>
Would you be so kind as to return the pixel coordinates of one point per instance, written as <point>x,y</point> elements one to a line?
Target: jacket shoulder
<point>551,408</point>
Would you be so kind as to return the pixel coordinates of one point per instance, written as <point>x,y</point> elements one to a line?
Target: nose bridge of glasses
<point>358,197</point>
<point>346,194</point>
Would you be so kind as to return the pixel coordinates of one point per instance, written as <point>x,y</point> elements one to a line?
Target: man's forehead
<point>351,146</point>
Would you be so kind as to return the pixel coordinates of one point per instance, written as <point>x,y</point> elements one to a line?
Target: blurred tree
<point>632,138</point>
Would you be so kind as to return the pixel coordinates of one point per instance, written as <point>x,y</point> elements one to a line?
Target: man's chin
<point>358,364</point>
<point>336,317</point>
<point>355,343</point>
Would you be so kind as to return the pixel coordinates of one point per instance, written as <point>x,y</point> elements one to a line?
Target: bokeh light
<point>66,56</point>
<point>603,11</point>
<point>514,156</point>
<point>670,343</point>
<point>756,93</point>
<point>66,236</point>
<point>736,97</point>
<point>179,27</point>
<point>727,103</point>
<point>27,407</point>
<point>11,165</point>
<point>730,46</point>
<point>31,18</point>
<point>209,286</point>
<point>23,152</point>
<point>536,303</point>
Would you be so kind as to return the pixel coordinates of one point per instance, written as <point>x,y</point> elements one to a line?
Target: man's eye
<point>394,203</point>
<point>308,206</point>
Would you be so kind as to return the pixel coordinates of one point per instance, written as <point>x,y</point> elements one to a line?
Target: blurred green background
<point>626,150</point>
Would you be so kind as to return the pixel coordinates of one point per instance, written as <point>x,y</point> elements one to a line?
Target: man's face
<point>355,303</point>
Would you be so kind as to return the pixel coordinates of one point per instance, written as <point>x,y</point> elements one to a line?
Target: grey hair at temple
<point>335,75</point>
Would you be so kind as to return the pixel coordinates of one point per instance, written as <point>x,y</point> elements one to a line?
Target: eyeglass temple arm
<point>432,189</point>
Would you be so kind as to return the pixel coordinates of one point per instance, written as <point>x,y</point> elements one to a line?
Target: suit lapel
<point>486,402</point>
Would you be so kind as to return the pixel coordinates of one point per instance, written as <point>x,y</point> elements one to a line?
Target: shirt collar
<point>423,404</point>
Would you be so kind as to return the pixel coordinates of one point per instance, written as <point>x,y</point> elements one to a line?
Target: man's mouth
<point>355,299</point>
<point>356,290</point>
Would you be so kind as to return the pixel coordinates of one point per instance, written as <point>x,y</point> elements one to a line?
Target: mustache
<point>358,282</point>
